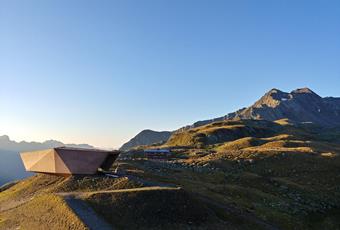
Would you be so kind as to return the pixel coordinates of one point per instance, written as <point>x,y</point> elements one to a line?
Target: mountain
<point>146,137</point>
<point>7,144</point>
<point>244,171</point>
<point>300,105</point>
<point>11,167</point>
<point>233,174</point>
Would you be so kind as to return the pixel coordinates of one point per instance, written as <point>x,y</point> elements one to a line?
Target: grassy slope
<point>286,174</point>
<point>284,194</point>
<point>166,209</point>
<point>223,131</point>
<point>42,212</point>
<point>32,203</point>
<point>235,174</point>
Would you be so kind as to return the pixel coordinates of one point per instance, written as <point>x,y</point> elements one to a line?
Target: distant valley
<point>11,167</point>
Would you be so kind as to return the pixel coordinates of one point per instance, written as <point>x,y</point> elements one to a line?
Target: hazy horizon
<point>83,72</point>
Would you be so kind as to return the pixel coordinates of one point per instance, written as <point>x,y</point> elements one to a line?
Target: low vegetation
<point>42,212</point>
<point>156,209</point>
<point>283,173</point>
<point>231,174</point>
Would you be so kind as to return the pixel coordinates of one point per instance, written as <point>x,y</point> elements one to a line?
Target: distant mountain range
<point>300,105</point>
<point>11,167</point>
<point>7,144</point>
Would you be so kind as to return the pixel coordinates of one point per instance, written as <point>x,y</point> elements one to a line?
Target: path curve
<point>87,215</point>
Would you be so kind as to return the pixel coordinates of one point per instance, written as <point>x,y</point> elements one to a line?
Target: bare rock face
<point>300,105</point>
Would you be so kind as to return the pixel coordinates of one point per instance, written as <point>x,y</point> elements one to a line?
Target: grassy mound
<point>166,209</point>
<point>240,144</point>
<point>30,187</point>
<point>42,212</point>
<point>94,183</point>
<point>33,204</point>
<point>223,131</point>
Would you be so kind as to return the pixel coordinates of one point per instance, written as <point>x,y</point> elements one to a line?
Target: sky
<point>99,72</point>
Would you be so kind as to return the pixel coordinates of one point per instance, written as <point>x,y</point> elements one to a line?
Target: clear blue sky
<point>98,72</point>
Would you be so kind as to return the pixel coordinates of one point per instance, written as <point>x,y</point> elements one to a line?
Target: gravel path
<point>87,215</point>
<point>67,195</point>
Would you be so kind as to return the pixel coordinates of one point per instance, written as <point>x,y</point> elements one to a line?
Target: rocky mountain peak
<point>4,138</point>
<point>303,90</point>
<point>300,105</point>
<point>272,99</point>
<point>274,91</point>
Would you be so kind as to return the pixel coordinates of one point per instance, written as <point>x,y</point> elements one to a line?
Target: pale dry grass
<point>41,213</point>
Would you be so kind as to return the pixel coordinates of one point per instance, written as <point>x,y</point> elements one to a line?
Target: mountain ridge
<point>287,105</point>
<point>7,144</point>
<point>300,105</point>
<point>235,174</point>
<point>231,174</point>
<point>146,137</point>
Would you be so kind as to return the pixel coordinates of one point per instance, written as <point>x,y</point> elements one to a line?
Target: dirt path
<point>82,194</point>
<point>87,215</point>
<point>8,205</point>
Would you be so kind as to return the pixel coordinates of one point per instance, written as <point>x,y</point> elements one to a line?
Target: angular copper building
<point>67,161</point>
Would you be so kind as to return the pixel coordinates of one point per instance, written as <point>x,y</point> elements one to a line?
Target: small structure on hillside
<point>68,161</point>
<point>157,153</point>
